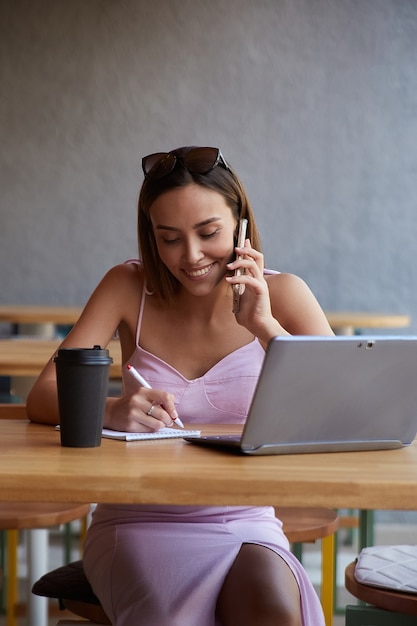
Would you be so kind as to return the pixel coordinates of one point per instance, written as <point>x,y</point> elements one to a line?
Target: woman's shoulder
<point>286,289</point>
<point>131,267</point>
<point>295,306</point>
<point>123,276</point>
<point>284,279</point>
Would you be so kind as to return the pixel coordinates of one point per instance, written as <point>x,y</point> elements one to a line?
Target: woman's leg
<point>259,590</point>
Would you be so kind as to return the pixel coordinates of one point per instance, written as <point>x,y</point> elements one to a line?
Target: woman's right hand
<point>146,410</point>
<point>255,312</point>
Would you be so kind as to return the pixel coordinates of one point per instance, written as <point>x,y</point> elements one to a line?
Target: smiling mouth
<point>201,272</point>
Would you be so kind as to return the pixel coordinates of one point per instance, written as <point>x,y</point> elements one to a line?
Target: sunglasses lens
<point>158,165</point>
<point>196,161</point>
<point>201,160</point>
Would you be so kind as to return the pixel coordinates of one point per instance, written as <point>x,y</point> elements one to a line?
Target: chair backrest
<point>12,411</point>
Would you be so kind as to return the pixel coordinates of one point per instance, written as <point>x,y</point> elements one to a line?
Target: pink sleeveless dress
<point>165,565</point>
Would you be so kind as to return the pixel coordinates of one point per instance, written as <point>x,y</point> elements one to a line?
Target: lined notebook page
<point>163,433</point>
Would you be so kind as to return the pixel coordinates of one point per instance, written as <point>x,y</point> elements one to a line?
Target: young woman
<point>191,566</point>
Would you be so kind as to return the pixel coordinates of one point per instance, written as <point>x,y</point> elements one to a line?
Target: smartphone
<point>239,289</point>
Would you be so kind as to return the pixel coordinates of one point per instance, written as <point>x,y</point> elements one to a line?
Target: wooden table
<point>39,314</point>
<point>39,320</point>
<point>27,356</point>
<point>347,322</point>
<point>34,467</point>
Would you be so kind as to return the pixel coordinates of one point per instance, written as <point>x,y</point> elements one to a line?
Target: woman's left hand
<point>255,306</point>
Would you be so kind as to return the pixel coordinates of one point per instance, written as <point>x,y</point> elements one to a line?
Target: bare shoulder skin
<point>113,305</point>
<point>295,307</point>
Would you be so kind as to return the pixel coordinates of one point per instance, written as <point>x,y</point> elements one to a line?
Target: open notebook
<point>325,394</point>
<point>163,433</point>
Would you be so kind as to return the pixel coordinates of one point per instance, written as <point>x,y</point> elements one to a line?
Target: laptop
<point>330,394</point>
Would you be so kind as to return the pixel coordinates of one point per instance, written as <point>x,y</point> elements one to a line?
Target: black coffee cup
<point>82,382</point>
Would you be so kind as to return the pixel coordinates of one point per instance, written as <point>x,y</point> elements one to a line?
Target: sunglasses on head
<point>195,160</point>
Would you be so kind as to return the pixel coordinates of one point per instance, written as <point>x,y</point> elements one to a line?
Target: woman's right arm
<point>114,302</point>
<point>96,326</point>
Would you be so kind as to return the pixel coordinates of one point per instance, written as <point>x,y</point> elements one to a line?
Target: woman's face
<point>194,231</point>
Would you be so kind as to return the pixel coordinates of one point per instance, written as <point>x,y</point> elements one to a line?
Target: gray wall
<point>313,101</point>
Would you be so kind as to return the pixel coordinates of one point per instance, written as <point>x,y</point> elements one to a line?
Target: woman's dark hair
<point>158,278</point>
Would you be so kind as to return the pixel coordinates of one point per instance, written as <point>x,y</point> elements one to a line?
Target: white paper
<point>163,433</point>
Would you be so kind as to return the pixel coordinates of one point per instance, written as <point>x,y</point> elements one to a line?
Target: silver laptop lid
<point>332,394</point>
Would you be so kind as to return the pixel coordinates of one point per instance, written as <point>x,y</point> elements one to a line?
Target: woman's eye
<point>170,241</point>
<point>210,234</point>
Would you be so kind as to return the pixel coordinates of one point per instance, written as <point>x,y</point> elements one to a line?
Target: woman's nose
<point>193,252</point>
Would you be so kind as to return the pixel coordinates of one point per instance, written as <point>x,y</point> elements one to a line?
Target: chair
<point>35,517</point>
<point>70,586</point>
<point>385,607</point>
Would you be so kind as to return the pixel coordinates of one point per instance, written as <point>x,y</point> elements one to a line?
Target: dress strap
<point>140,316</point>
<point>145,292</point>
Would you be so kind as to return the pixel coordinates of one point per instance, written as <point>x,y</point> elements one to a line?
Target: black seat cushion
<point>66,583</point>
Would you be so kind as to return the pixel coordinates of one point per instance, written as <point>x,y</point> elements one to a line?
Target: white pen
<point>145,384</point>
